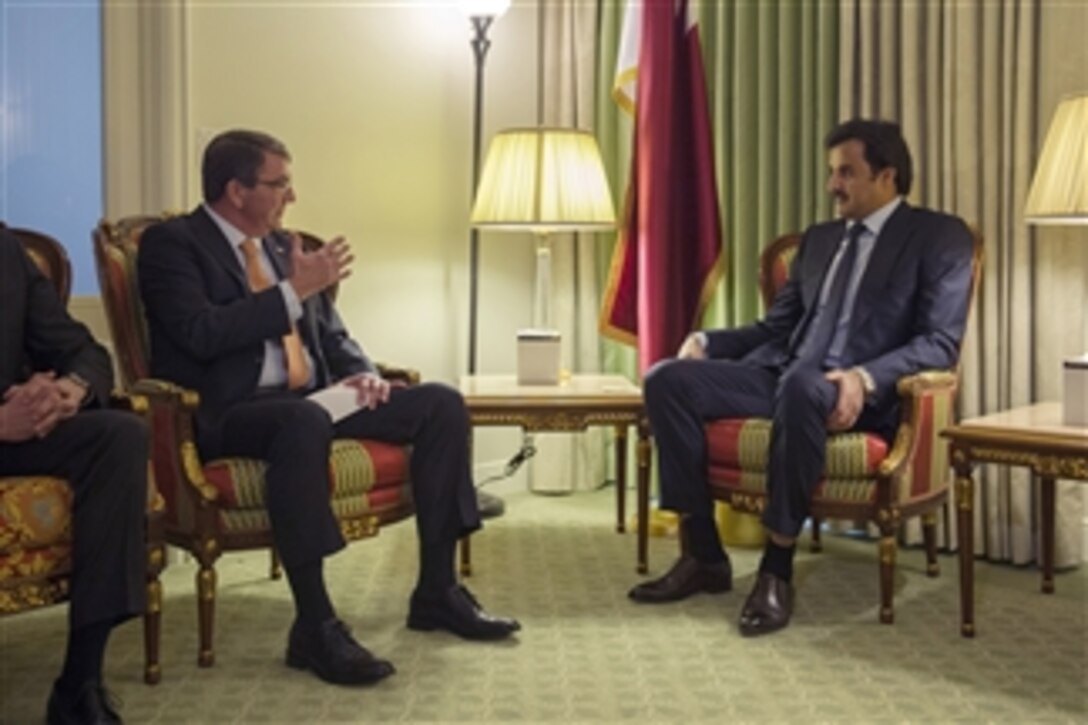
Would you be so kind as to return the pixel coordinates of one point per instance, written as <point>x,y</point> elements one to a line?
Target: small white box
<point>1075,391</point>
<point>538,357</point>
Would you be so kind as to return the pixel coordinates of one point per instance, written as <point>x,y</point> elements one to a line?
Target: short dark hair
<point>236,154</point>
<point>884,147</point>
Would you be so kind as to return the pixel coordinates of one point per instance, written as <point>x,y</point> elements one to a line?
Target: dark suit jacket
<point>36,331</point>
<point>911,306</point>
<point>208,330</point>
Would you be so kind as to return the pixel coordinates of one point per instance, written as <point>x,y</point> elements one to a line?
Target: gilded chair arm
<point>164,391</point>
<point>141,406</point>
<point>132,402</point>
<point>408,376</point>
<point>914,390</point>
<point>176,460</point>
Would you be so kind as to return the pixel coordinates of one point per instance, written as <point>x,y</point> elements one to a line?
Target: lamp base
<point>538,357</point>
<point>1075,391</point>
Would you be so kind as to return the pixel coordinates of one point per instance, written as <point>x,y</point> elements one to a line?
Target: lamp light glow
<point>483,8</point>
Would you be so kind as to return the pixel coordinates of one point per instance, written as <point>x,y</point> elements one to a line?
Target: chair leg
<point>815,546</point>
<point>929,535</point>
<point>205,600</point>
<point>275,570</point>
<point>153,631</point>
<point>887,576</point>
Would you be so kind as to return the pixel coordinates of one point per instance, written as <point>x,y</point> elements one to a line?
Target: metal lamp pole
<point>480,45</point>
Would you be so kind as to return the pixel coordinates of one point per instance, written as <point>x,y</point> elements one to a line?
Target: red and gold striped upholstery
<point>219,505</point>
<point>865,479</point>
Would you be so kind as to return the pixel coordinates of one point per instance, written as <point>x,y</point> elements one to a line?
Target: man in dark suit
<point>876,296</point>
<point>236,309</point>
<point>55,380</point>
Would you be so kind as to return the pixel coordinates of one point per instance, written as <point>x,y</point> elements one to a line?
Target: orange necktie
<point>298,370</point>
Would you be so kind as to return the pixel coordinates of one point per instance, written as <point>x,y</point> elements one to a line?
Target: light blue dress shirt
<point>873,224</point>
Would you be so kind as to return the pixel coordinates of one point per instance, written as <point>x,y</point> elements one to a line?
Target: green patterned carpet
<point>588,655</point>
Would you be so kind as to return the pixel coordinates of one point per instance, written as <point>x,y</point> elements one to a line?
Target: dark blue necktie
<point>822,329</point>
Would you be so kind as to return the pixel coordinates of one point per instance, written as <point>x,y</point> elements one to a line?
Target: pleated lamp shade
<point>1059,190</point>
<point>543,180</point>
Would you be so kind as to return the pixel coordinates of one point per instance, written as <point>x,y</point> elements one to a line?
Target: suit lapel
<point>217,245</point>
<point>889,247</point>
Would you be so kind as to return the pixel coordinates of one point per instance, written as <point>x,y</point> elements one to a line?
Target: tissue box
<point>538,357</point>
<point>1075,391</point>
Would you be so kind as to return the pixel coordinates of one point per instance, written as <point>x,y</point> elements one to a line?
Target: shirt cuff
<point>867,381</point>
<point>294,306</point>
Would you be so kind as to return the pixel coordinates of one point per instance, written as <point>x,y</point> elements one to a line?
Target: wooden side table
<point>572,405</point>
<point>1031,436</point>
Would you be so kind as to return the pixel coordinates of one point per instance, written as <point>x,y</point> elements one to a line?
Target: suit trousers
<point>293,436</point>
<point>103,455</point>
<point>682,395</point>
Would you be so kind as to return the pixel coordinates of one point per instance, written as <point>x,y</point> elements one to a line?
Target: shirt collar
<point>234,235</point>
<point>876,221</point>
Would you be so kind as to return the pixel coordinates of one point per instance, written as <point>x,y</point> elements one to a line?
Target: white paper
<point>338,400</point>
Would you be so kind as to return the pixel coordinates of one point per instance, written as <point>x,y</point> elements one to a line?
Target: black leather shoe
<point>92,705</point>
<point>686,577</point>
<point>457,611</point>
<point>768,607</point>
<point>332,654</point>
<point>489,505</point>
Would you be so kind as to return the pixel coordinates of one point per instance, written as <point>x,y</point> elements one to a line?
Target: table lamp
<point>1059,196</point>
<point>542,180</point>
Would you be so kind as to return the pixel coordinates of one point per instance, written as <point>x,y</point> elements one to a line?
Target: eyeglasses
<point>281,184</point>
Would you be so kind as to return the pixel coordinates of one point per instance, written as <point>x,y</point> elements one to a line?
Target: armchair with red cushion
<point>219,505</point>
<point>35,511</point>
<point>865,478</point>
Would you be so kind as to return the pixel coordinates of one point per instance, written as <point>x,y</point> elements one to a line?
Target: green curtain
<point>773,86</point>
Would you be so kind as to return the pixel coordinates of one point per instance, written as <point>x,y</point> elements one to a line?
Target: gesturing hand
<point>850,402</point>
<point>692,348</point>
<point>312,272</point>
<point>370,389</point>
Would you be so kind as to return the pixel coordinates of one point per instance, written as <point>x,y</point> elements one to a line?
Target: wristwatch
<point>83,383</point>
<point>867,382</point>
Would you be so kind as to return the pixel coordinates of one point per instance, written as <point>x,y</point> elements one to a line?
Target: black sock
<point>703,542</point>
<point>436,568</point>
<point>312,603</point>
<point>778,560</point>
<point>83,660</point>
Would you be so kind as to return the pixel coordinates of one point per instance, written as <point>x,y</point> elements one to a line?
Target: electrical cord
<point>527,451</point>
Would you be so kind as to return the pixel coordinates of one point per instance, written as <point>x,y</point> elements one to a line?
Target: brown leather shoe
<point>768,607</point>
<point>686,577</point>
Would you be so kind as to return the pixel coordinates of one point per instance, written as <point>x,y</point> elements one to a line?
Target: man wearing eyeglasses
<point>237,310</point>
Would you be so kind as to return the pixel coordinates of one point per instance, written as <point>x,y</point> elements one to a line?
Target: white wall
<point>374,100</point>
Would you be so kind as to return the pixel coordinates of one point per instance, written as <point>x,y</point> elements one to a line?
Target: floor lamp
<point>543,180</point>
<point>1059,196</point>
<point>481,13</point>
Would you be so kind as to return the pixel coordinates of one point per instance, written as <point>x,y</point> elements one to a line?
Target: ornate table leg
<point>1047,496</point>
<point>644,454</point>
<point>965,518</point>
<point>621,476</point>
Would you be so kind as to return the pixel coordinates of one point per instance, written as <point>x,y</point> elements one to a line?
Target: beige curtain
<point>145,100</point>
<point>965,80</point>
<point>567,75</point>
